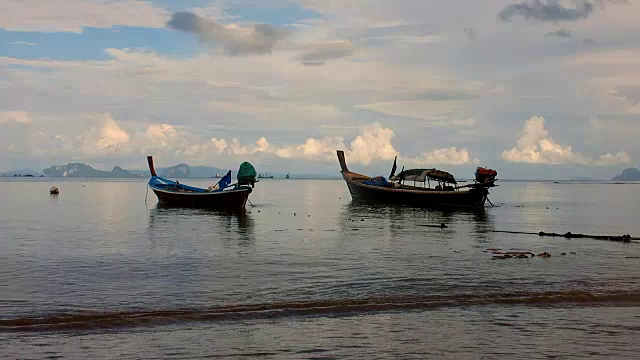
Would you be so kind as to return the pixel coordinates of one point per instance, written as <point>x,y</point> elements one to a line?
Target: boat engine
<point>484,175</point>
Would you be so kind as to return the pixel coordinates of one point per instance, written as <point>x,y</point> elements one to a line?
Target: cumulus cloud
<point>535,146</point>
<point>162,134</point>
<point>550,11</point>
<point>372,144</point>
<point>613,159</point>
<point>17,117</point>
<point>562,33</point>
<point>313,149</point>
<point>234,40</point>
<point>104,137</point>
<point>445,156</point>
<point>74,15</point>
<point>235,148</point>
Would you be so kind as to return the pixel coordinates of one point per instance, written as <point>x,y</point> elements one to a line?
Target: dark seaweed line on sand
<point>124,319</point>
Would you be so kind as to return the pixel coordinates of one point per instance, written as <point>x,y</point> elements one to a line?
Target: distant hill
<point>186,171</point>
<point>84,170</point>
<point>179,171</point>
<point>630,174</point>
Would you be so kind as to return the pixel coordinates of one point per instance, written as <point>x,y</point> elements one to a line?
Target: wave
<point>123,319</point>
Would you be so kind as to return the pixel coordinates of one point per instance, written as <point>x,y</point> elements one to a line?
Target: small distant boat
<point>261,176</point>
<point>286,177</point>
<point>224,195</point>
<point>446,193</point>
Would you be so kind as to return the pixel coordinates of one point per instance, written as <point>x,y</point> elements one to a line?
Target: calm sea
<point>97,272</point>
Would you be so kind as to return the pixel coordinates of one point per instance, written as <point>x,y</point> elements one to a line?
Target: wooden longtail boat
<point>365,188</point>
<point>225,196</point>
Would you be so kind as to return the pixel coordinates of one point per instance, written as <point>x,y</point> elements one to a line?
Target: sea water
<point>103,271</point>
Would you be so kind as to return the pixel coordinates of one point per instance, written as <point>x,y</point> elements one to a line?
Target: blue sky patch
<point>91,43</point>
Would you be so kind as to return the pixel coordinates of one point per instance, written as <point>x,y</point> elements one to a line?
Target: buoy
<point>54,191</point>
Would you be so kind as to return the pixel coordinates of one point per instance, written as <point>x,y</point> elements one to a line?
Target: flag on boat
<point>225,181</point>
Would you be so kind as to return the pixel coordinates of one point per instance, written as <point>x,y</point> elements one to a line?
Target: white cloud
<point>535,146</point>
<point>23,43</point>
<point>313,149</point>
<point>445,156</point>
<point>104,137</point>
<point>18,117</point>
<point>74,15</point>
<point>373,144</point>
<point>162,134</point>
<point>613,159</point>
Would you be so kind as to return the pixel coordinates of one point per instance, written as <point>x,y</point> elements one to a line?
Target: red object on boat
<point>485,174</point>
<point>486,171</point>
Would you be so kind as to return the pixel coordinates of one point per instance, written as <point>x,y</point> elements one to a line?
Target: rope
<point>250,203</point>
<point>490,203</point>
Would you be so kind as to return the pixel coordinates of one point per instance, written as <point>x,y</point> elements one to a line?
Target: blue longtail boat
<point>225,195</point>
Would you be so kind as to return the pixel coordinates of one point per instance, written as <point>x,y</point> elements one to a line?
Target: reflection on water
<point>394,219</point>
<point>180,220</point>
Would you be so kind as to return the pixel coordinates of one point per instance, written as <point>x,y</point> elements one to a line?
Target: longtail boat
<point>224,195</point>
<point>446,193</point>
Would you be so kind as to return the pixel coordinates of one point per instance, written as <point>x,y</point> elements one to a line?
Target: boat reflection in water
<point>400,220</point>
<point>231,226</point>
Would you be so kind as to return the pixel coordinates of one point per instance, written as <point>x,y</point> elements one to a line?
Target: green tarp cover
<point>246,173</point>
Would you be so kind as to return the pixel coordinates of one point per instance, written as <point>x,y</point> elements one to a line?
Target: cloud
<point>563,33</point>
<point>445,156</point>
<point>313,149</point>
<point>317,54</point>
<point>104,137</point>
<point>372,144</point>
<point>162,134</point>
<point>549,11</point>
<point>23,43</point>
<point>436,112</point>
<point>615,159</point>
<point>234,40</point>
<point>17,117</point>
<point>535,146</point>
<point>74,15</point>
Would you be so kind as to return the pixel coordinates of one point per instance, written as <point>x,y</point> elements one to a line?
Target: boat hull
<point>421,198</point>
<point>231,200</point>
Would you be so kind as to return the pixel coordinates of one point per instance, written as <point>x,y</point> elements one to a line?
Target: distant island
<point>83,170</point>
<point>177,171</point>
<point>180,171</point>
<point>630,174</point>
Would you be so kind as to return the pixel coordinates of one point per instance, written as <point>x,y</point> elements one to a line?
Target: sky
<point>532,88</point>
